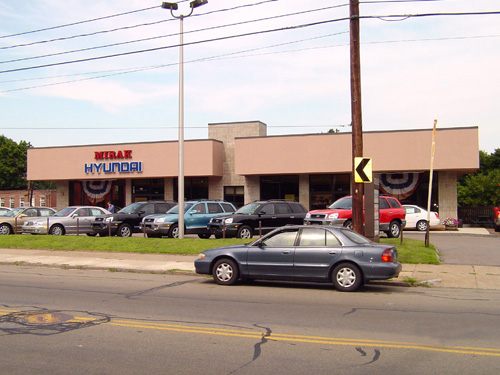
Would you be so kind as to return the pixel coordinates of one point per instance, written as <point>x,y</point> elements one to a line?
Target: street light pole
<point>180,186</point>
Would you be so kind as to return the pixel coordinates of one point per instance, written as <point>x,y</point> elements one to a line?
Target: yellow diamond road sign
<point>363,170</point>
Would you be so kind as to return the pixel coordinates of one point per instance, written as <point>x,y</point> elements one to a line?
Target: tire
<point>5,229</point>
<point>497,228</point>
<point>174,231</point>
<point>225,272</point>
<point>394,230</point>
<point>347,277</point>
<point>422,225</point>
<point>57,230</point>
<point>204,236</point>
<point>245,232</point>
<point>218,236</point>
<point>348,224</point>
<point>124,230</point>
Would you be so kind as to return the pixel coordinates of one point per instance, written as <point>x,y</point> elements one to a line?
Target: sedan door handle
<point>332,252</point>
<point>285,252</point>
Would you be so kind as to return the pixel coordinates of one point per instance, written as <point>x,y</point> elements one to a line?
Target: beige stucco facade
<point>239,154</point>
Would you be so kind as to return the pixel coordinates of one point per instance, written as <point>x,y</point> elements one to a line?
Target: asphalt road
<point>466,249</point>
<point>55,321</point>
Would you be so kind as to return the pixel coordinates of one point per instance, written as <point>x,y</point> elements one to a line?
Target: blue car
<point>304,253</point>
<point>197,214</point>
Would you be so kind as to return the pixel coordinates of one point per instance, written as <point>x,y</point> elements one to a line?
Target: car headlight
<point>160,220</point>
<point>228,220</point>
<point>108,219</point>
<point>201,256</point>
<point>38,224</point>
<point>333,216</point>
<point>308,215</point>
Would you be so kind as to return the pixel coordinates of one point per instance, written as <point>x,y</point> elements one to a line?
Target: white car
<point>416,217</point>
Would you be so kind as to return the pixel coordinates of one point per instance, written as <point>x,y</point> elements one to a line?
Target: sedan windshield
<point>342,204</point>
<point>14,212</point>
<point>175,209</point>
<point>131,208</point>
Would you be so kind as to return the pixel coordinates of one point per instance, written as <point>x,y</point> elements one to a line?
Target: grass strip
<point>411,251</point>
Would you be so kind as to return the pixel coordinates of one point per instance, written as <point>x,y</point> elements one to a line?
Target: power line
<point>131,27</point>
<point>221,57</point>
<point>161,127</point>
<point>176,45</point>
<point>169,35</point>
<point>78,22</point>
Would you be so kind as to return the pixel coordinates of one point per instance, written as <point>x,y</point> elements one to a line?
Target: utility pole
<point>357,128</point>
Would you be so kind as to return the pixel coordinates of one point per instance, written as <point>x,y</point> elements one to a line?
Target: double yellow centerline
<point>305,339</point>
<point>255,335</point>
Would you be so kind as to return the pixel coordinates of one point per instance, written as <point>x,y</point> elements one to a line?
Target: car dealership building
<point>240,163</point>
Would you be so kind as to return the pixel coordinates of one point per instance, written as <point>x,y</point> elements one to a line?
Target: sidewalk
<point>447,276</point>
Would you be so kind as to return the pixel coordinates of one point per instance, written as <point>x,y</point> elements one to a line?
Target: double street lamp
<point>172,7</point>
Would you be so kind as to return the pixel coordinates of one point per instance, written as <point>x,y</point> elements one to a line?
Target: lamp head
<point>171,6</point>
<point>197,3</point>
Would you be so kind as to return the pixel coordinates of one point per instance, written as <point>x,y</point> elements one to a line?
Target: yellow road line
<point>291,338</point>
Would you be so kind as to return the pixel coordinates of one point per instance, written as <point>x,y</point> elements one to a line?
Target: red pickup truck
<point>392,215</point>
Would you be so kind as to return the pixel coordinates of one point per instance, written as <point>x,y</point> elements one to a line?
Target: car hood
<point>168,217</point>
<point>328,211</point>
<point>224,250</point>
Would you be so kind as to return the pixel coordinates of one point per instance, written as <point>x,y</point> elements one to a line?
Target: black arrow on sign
<point>360,170</point>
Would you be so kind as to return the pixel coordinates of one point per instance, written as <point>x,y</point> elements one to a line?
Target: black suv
<point>127,220</point>
<point>256,216</point>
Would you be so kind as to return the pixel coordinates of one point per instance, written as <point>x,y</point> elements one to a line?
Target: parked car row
<point>205,218</point>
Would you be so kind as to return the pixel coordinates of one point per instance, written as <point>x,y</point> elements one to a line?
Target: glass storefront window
<point>279,187</point>
<point>194,188</point>
<point>235,195</point>
<point>327,188</point>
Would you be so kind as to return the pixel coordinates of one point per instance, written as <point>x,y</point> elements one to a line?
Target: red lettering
<point>125,154</point>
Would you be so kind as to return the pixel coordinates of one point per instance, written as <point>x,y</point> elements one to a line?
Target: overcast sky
<point>245,60</point>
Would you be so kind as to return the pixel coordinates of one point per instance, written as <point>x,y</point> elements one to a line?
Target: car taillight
<point>437,216</point>
<point>387,255</point>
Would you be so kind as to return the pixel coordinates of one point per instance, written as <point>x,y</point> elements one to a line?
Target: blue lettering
<point>98,167</point>
<point>89,169</point>
<point>125,167</point>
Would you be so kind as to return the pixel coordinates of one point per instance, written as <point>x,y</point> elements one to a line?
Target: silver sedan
<point>70,220</point>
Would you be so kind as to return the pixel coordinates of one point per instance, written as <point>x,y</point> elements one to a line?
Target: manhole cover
<point>44,322</point>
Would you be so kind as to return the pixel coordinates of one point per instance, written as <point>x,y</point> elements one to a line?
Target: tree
<point>482,188</point>
<point>13,165</point>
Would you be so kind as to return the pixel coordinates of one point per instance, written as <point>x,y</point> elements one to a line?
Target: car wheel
<point>348,224</point>
<point>124,230</point>
<point>245,232</point>
<point>347,277</point>
<point>218,236</point>
<point>225,272</point>
<point>394,230</point>
<point>422,225</point>
<point>204,235</point>
<point>174,231</point>
<point>5,229</point>
<point>57,230</point>
<point>497,228</point>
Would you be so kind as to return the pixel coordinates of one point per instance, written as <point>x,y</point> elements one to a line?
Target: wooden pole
<point>357,128</point>
<point>431,172</point>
